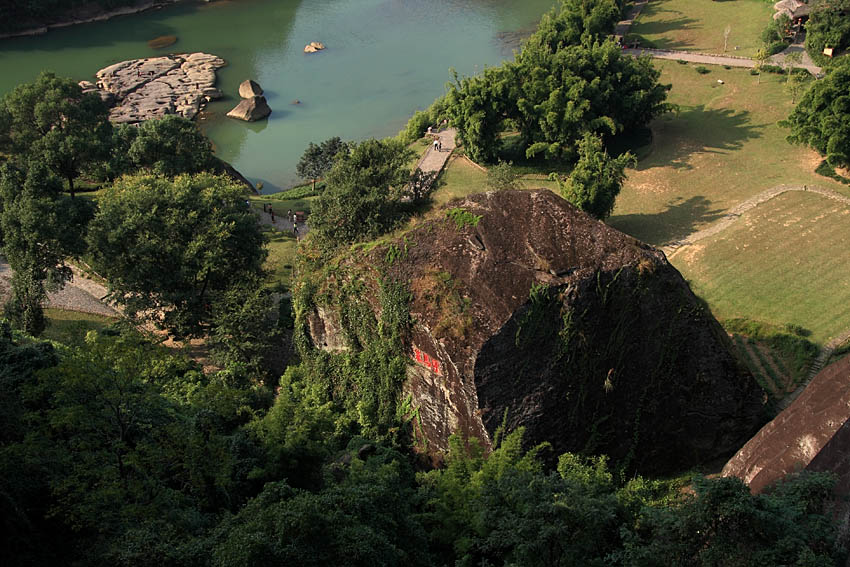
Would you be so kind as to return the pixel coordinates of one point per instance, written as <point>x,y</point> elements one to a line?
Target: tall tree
<point>596,180</point>
<point>318,159</point>
<point>169,247</point>
<point>822,117</point>
<point>363,193</point>
<point>828,26</point>
<point>39,230</point>
<point>52,121</point>
<point>169,146</point>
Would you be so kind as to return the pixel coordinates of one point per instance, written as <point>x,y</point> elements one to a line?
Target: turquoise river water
<point>384,60</point>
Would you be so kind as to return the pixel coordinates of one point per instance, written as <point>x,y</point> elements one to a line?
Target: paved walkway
<point>80,294</point>
<point>434,160</point>
<point>692,57</point>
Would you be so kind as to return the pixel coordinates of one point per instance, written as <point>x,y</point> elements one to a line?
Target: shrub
<point>702,70</point>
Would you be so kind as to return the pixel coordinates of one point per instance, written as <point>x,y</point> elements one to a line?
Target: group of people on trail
<point>290,216</point>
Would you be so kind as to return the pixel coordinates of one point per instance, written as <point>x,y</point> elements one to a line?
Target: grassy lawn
<point>699,25</point>
<point>69,327</point>
<point>281,259</point>
<point>723,146</point>
<point>783,262</point>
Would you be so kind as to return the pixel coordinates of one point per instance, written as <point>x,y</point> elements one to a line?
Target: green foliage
<point>317,160</point>
<point>502,176</point>
<point>362,198</point>
<point>791,342</point>
<point>566,81</point>
<point>462,217</point>
<point>16,16</point>
<point>169,248</point>
<point>39,228</point>
<point>169,146</point>
<point>723,524</point>
<point>243,328</point>
<point>826,170</point>
<point>596,180</point>
<point>775,36</point>
<point>418,124</point>
<point>702,70</point>
<point>828,26</point>
<point>51,121</point>
<point>363,516</point>
<point>822,117</point>
<point>505,510</point>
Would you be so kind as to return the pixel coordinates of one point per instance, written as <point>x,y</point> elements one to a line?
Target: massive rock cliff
<point>528,312</point>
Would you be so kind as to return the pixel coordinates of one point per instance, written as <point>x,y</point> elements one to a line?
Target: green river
<point>384,60</point>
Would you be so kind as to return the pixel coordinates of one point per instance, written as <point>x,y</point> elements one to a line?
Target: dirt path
<point>708,59</point>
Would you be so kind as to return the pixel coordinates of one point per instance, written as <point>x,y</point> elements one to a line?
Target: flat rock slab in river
<point>153,87</point>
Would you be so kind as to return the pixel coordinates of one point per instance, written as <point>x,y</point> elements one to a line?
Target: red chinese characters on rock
<point>427,361</point>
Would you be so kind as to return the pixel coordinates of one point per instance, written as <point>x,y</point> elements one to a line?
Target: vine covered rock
<point>526,312</point>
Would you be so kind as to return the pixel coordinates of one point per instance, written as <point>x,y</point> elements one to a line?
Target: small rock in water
<point>314,46</point>
<point>162,41</point>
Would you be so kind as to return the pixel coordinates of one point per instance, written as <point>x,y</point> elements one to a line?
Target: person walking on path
<point>295,230</point>
<point>440,145</point>
<point>271,212</point>
<point>436,145</point>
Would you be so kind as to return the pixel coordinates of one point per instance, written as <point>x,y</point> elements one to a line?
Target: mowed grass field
<point>785,261</point>
<point>723,146</point>
<point>699,25</point>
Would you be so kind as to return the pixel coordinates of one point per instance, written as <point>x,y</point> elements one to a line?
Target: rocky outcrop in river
<point>142,89</point>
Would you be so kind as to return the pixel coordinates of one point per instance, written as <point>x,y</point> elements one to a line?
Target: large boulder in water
<point>528,312</point>
<point>249,89</point>
<point>251,109</point>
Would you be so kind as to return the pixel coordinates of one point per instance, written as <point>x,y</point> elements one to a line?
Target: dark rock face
<point>251,109</point>
<point>541,317</point>
<point>813,433</point>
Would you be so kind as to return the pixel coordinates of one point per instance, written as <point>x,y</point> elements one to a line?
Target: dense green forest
<point>17,16</point>
<point>115,450</point>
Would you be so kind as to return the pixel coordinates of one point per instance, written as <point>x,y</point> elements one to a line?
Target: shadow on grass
<point>679,219</point>
<point>698,130</point>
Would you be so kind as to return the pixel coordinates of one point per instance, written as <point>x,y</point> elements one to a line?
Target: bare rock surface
<point>813,433</point>
<point>250,89</point>
<point>251,109</point>
<point>153,87</point>
<point>528,312</point>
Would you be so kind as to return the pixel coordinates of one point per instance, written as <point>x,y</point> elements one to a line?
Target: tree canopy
<point>828,26</point>
<point>822,117</point>
<point>169,247</point>
<point>40,228</point>
<point>567,80</point>
<point>50,120</point>
<point>595,182</point>
<point>363,192</point>
<point>318,159</point>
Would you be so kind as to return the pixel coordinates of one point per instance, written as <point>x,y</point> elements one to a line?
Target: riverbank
<point>89,14</point>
